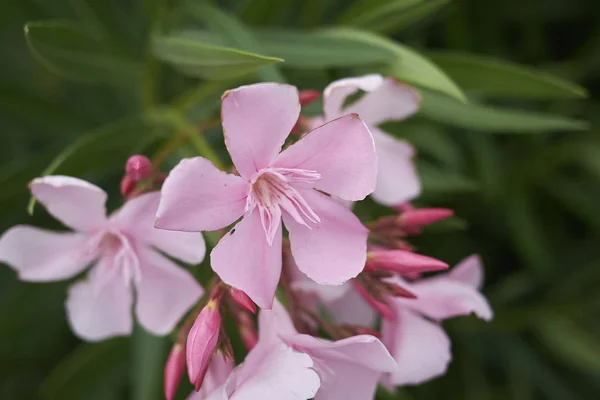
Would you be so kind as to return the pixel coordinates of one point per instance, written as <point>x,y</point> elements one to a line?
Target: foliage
<point>505,145</point>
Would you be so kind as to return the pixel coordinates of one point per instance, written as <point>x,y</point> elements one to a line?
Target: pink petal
<point>165,292</point>
<point>343,152</point>
<point>76,203</point>
<point>137,217</point>
<point>99,307</point>
<point>469,271</point>
<point>397,178</point>
<point>336,93</point>
<point>196,196</point>
<point>391,101</point>
<point>352,309</point>
<point>421,348</point>
<point>243,259</point>
<point>40,256</point>
<point>256,121</point>
<point>332,251</point>
<point>273,323</point>
<point>218,371</point>
<point>275,372</point>
<point>442,297</point>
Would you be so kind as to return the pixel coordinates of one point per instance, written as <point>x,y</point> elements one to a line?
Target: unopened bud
<point>403,262</point>
<point>174,370</point>
<point>202,342</point>
<point>249,337</point>
<point>127,185</point>
<point>242,300</point>
<point>309,96</point>
<point>379,306</point>
<point>138,167</point>
<point>424,216</point>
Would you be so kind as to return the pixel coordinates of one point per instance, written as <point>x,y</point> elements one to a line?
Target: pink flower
<point>417,342</point>
<point>349,369</point>
<point>328,242</point>
<point>385,100</point>
<point>202,342</point>
<point>174,369</point>
<point>121,249</point>
<point>219,369</point>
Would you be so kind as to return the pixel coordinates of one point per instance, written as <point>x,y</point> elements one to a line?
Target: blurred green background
<point>524,186</point>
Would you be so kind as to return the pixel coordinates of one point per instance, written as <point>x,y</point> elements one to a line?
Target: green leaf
<point>149,354</point>
<point>389,16</point>
<point>490,119</point>
<point>489,76</point>
<point>68,51</point>
<point>237,33</point>
<point>104,147</point>
<point>196,58</point>
<point>92,371</point>
<point>441,181</point>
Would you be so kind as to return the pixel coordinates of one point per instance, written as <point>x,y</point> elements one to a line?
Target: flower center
<point>274,189</point>
<point>117,253</point>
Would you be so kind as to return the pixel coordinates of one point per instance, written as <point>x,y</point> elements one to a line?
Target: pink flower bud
<point>381,307</point>
<point>138,167</point>
<point>403,262</point>
<point>174,370</point>
<point>424,216</point>
<point>202,342</point>
<point>308,96</point>
<point>127,185</point>
<point>249,337</point>
<point>242,300</point>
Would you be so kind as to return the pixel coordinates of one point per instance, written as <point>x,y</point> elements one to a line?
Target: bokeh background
<point>527,202</point>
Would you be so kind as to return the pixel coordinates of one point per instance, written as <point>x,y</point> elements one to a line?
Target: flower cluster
<point>329,275</point>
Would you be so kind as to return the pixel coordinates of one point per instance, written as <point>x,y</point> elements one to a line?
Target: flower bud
<point>382,308</point>
<point>403,262</point>
<point>127,185</point>
<point>174,370</point>
<point>242,300</point>
<point>202,342</point>
<point>424,216</point>
<point>309,96</point>
<point>138,167</point>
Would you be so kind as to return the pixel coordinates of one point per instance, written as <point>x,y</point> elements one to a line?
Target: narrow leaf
<point>489,76</point>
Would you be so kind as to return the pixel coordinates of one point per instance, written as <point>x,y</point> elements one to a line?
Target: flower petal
<point>332,251</point>
<point>469,271</point>
<point>99,307</point>
<point>352,309</point>
<point>390,101</point>
<point>165,292</point>
<point>420,347</point>
<point>397,179</point>
<point>335,93</point>
<point>196,196</point>
<point>76,203</point>
<point>243,259</point>
<point>343,152</point>
<point>137,217</point>
<point>256,121</point>
<point>40,256</point>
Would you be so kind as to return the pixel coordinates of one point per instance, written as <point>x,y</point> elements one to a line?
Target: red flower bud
<point>242,300</point>
<point>308,96</point>
<point>202,342</point>
<point>138,167</point>
<point>403,262</point>
<point>424,216</point>
<point>174,370</point>
<point>127,185</point>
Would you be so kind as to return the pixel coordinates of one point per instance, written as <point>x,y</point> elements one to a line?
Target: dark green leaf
<point>488,76</point>
<point>70,52</point>
<point>196,58</point>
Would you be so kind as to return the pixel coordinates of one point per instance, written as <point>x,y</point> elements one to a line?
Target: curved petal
<point>335,93</point>
<point>469,271</point>
<point>390,101</point>
<point>277,372</point>
<point>218,371</point>
<point>196,196</point>
<point>352,309</point>
<point>99,307</point>
<point>165,292</point>
<point>420,347</point>
<point>441,297</point>
<point>76,203</point>
<point>343,152</point>
<point>244,259</point>
<point>332,251</point>
<point>137,217</point>
<point>273,323</point>
<point>256,121</point>
<point>397,178</point>
<point>40,256</point>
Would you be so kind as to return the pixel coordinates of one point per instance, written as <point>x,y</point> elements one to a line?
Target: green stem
<point>149,357</point>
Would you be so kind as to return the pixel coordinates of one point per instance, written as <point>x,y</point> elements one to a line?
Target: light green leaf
<point>489,119</point>
<point>237,34</point>
<point>489,76</point>
<point>196,58</point>
<point>68,51</point>
<point>365,12</point>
